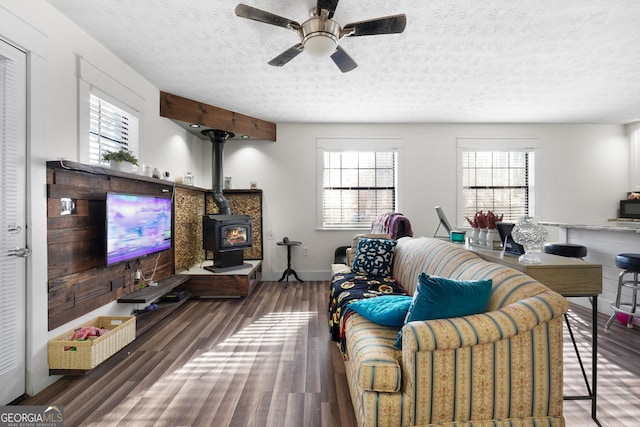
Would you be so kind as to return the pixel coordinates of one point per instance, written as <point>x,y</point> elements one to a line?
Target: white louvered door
<point>13,250</point>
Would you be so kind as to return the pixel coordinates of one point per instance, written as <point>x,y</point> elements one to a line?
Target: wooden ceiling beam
<point>188,111</point>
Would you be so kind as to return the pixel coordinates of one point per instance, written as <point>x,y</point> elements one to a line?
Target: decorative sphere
<point>528,234</point>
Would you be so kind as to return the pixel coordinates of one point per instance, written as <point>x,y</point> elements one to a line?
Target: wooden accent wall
<point>78,279</point>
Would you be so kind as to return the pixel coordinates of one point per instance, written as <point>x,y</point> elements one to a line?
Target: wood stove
<point>225,235</point>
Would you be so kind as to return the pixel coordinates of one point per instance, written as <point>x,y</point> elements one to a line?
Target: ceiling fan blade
<point>287,55</point>
<point>328,5</point>
<point>343,60</point>
<point>386,25</point>
<point>244,11</point>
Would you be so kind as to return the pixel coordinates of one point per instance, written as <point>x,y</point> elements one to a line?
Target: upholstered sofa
<point>502,367</point>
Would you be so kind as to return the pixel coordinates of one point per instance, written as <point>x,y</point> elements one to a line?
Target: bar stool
<point>630,264</point>
<point>569,250</point>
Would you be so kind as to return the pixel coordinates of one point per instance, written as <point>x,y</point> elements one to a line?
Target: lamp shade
<point>320,45</point>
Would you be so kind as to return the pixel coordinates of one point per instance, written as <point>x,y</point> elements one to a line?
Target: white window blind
<point>357,187</point>
<point>498,181</point>
<point>111,129</point>
<point>12,188</point>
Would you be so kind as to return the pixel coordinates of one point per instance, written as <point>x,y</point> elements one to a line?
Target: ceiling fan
<point>321,35</point>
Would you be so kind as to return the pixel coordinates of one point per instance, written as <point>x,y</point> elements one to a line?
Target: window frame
<point>324,145</point>
<point>529,145</point>
<point>94,81</point>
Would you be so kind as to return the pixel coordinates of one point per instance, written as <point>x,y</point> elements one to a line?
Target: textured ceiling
<point>539,61</point>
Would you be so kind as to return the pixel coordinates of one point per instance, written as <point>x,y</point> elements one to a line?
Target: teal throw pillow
<point>388,310</point>
<point>374,257</point>
<point>442,298</point>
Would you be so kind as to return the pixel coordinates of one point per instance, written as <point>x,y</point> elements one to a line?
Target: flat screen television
<point>136,226</point>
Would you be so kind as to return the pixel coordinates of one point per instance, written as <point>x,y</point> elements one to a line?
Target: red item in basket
<point>88,332</point>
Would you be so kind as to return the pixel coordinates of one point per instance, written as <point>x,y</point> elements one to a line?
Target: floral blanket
<point>346,287</point>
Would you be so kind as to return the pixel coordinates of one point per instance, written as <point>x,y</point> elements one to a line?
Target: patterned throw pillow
<point>443,298</point>
<point>374,257</point>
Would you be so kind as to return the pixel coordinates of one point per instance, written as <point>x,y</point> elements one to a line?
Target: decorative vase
<point>474,236</point>
<point>482,237</point>
<point>492,236</point>
<point>531,237</point>
<point>120,166</point>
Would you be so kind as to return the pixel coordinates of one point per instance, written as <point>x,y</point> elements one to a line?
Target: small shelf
<point>146,320</point>
<point>153,293</point>
<point>150,294</point>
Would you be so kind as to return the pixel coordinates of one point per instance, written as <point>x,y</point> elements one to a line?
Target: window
<point>498,181</point>
<point>496,174</point>
<point>111,114</point>
<point>110,129</point>
<point>358,184</point>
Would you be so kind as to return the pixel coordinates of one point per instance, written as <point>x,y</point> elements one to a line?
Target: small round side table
<point>289,271</point>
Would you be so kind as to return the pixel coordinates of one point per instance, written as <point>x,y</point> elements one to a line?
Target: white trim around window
<point>94,81</point>
<point>496,145</point>
<point>353,145</point>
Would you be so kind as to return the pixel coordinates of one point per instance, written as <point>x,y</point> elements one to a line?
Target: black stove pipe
<point>218,138</point>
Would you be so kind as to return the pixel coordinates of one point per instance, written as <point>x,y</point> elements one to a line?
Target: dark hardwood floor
<point>267,360</point>
<point>618,386</point>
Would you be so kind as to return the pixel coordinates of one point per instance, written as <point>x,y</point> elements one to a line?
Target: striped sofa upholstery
<point>500,368</point>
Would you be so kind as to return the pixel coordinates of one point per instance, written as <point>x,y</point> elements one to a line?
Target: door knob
<point>19,252</point>
<point>14,228</point>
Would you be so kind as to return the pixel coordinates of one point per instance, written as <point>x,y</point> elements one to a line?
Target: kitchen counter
<point>604,240</point>
<point>619,225</point>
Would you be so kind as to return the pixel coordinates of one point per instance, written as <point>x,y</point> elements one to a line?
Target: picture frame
<point>509,246</point>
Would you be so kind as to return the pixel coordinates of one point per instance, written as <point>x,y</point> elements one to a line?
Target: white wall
<point>164,144</point>
<point>582,169</point>
<point>581,174</point>
<point>54,134</point>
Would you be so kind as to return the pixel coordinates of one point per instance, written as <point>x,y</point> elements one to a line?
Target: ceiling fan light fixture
<point>321,35</point>
<point>320,45</point>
